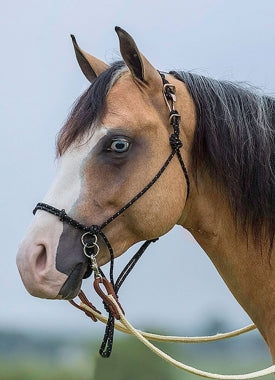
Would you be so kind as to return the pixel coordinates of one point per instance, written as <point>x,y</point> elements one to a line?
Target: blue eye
<point>120,145</point>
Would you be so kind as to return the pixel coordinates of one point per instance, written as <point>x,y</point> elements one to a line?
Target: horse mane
<point>235,142</point>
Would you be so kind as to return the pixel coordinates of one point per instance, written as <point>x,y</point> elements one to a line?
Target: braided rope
<point>142,192</point>
<point>166,338</point>
<point>125,326</point>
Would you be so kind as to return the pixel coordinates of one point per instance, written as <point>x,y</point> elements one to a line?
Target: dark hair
<point>88,108</point>
<point>234,140</point>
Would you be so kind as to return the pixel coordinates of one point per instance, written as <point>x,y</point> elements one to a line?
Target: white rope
<point>172,339</point>
<point>125,326</point>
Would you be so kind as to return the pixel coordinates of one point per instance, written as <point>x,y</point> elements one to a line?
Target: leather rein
<point>91,233</point>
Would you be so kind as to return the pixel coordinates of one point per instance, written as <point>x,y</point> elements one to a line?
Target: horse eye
<point>120,145</point>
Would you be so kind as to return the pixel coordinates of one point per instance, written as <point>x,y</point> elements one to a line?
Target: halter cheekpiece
<point>89,238</point>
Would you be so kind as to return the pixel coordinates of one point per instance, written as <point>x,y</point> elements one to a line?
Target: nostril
<point>41,259</point>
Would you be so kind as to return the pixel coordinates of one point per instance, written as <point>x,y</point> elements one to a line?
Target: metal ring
<point>92,254</point>
<point>91,245</point>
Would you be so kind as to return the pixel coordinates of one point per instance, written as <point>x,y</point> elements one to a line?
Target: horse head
<point>114,142</point>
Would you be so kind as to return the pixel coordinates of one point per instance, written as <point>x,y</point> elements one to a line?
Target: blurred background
<point>175,288</point>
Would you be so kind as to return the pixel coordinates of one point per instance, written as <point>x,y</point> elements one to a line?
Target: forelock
<point>88,108</point>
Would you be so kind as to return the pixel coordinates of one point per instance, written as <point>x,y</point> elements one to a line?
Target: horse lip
<point>72,285</point>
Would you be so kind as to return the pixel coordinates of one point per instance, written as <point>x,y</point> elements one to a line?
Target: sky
<point>175,285</point>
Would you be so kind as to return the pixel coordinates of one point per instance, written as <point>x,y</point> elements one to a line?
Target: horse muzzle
<point>39,276</point>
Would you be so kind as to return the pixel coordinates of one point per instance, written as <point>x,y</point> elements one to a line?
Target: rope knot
<point>62,215</point>
<point>175,142</point>
<point>174,118</point>
<point>94,229</point>
<point>169,93</point>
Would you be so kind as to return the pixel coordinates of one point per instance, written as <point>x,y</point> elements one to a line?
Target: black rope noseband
<point>94,231</point>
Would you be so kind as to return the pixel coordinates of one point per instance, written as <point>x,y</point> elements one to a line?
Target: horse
<point>117,174</point>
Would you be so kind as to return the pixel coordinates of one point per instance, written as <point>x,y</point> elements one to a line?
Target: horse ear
<point>139,66</point>
<point>90,66</point>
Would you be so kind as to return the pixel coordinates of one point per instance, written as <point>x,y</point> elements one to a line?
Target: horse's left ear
<point>139,66</point>
<point>91,66</point>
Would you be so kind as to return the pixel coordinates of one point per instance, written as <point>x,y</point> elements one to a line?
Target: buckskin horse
<point>143,151</point>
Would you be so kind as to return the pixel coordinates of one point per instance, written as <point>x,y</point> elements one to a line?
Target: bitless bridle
<point>91,249</point>
<point>90,234</point>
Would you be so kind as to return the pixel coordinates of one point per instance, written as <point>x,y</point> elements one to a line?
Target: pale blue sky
<point>40,80</point>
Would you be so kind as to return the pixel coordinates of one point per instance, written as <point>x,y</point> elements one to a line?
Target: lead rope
<point>123,325</point>
<point>187,368</point>
<point>86,306</point>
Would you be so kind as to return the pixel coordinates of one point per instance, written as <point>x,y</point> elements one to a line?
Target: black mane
<point>235,142</point>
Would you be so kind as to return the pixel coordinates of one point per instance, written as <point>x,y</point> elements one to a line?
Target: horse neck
<point>248,272</point>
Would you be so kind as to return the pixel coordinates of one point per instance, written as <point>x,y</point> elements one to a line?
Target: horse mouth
<point>72,285</point>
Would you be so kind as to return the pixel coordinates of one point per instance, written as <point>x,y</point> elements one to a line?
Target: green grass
<point>33,369</point>
<point>124,367</point>
<point>116,368</point>
<point>34,357</point>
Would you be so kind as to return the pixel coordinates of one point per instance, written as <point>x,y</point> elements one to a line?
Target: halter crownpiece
<point>90,234</point>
